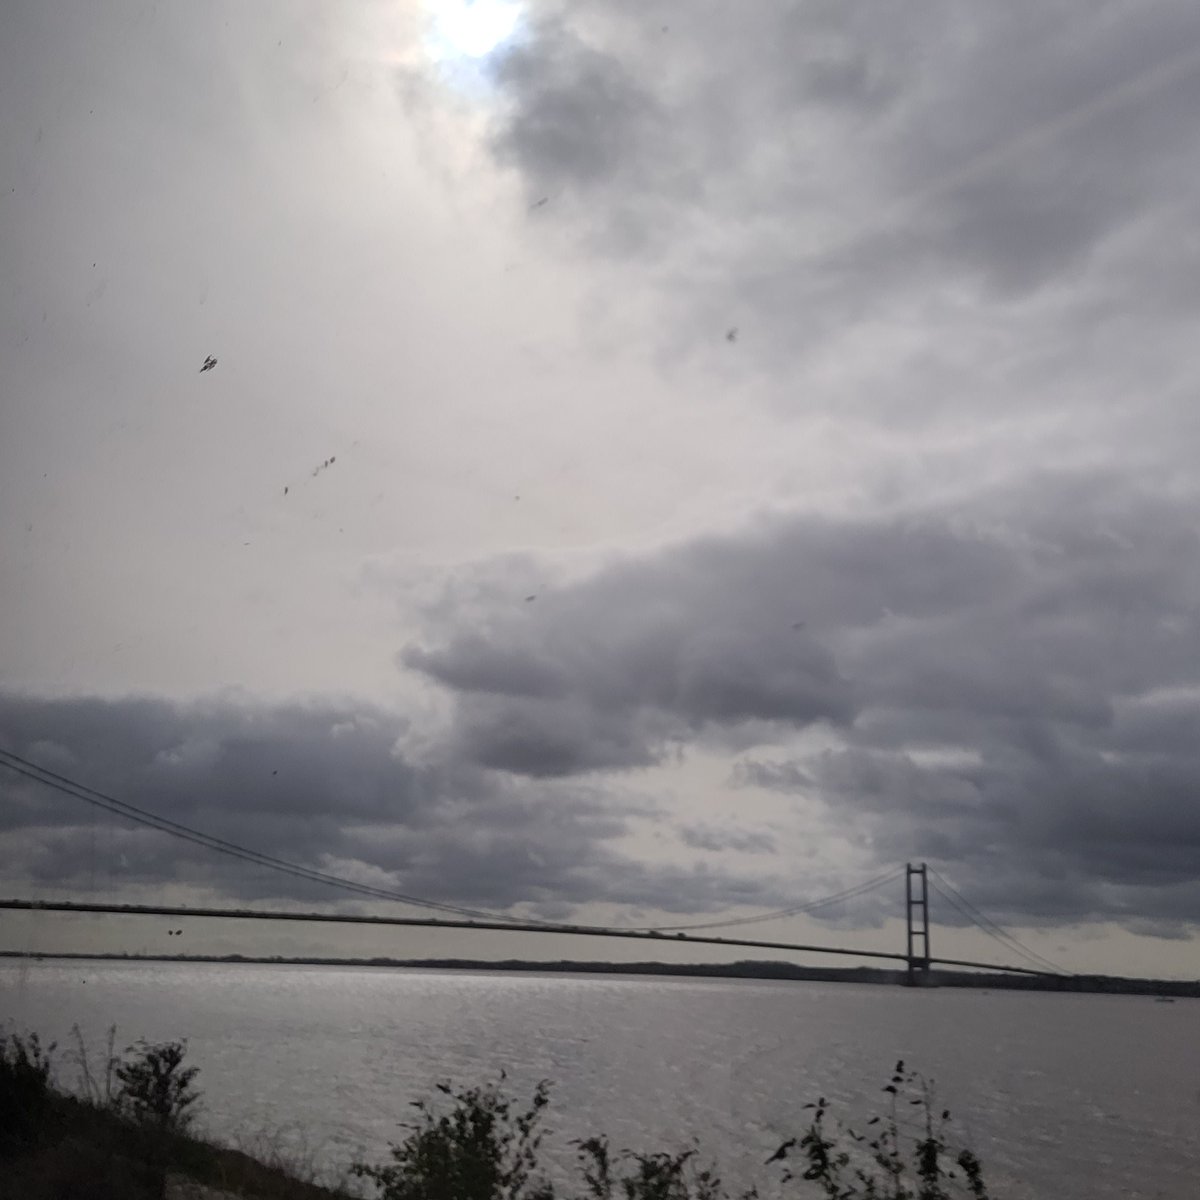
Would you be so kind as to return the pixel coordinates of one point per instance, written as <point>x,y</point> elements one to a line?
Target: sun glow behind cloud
<point>471,29</point>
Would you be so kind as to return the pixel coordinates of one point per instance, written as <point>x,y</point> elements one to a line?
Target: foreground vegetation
<point>126,1133</point>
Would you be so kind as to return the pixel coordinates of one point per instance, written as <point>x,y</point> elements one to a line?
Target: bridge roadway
<point>250,914</point>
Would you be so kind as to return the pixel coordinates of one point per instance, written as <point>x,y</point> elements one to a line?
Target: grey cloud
<point>482,667</point>
<point>230,761</point>
<point>301,782</point>
<point>639,658</point>
<point>541,738</point>
<point>863,163</point>
<point>582,119</point>
<point>1019,736</point>
<point>323,784</point>
<point>718,838</point>
<point>1071,839</point>
<point>1010,683</point>
<point>1047,131</point>
<point>1171,931</point>
<point>807,619</point>
<point>779,776</point>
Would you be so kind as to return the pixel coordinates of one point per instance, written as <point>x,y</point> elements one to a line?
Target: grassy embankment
<point>124,1133</point>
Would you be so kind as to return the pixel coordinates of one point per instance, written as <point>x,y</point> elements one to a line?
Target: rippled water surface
<point>1064,1097</point>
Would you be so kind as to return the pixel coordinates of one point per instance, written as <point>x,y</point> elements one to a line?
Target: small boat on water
<point>1164,999</point>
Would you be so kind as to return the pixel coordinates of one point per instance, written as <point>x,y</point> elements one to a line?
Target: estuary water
<point>1063,1097</point>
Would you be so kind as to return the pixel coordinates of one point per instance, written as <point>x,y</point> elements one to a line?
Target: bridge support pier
<point>916,911</point>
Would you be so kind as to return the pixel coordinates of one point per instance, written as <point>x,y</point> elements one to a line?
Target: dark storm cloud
<point>850,153</point>
<point>717,839</point>
<point>1012,681</point>
<point>243,766</point>
<point>644,656</point>
<point>583,119</point>
<point>544,738</point>
<point>325,785</point>
<point>312,783</point>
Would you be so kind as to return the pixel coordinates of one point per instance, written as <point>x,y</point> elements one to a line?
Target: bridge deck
<point>250,914</point>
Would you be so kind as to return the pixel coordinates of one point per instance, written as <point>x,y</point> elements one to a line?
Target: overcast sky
<point>663,461</point>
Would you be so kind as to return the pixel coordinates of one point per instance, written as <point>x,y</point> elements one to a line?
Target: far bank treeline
<point>745,969</point>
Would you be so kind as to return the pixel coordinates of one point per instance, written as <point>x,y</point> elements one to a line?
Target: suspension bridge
<point>916,956</point>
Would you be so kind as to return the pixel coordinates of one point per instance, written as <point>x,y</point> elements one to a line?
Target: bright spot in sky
<point>472,28</point>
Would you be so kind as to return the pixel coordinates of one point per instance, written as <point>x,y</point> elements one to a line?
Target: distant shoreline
<point>766,970</point>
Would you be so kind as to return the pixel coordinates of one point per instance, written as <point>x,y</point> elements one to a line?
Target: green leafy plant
<point>155,1093</point>
<point>659,1176</point>
<point>885,1163</point>
<point>483,1148</point>
<point>155,1087</point>
<point>480,1145</point>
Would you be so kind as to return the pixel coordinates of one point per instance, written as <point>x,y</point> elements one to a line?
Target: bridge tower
<point>916,911</point>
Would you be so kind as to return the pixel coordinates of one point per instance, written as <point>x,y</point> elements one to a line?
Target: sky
<point>663,463</point>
